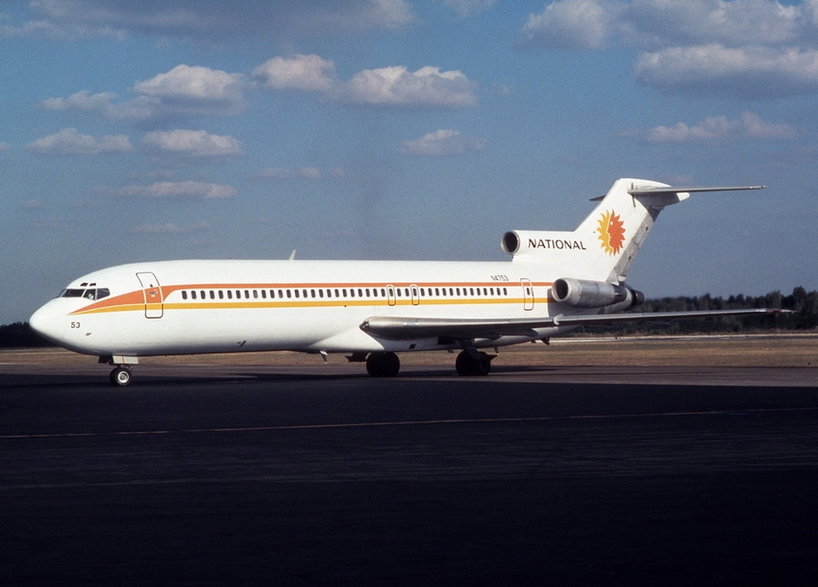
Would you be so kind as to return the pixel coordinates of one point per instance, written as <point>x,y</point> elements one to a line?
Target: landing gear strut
<point>473,362</point>
<point>120,376</point>
<point>382,364</point>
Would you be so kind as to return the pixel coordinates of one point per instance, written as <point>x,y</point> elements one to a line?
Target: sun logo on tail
<point>611,232</point>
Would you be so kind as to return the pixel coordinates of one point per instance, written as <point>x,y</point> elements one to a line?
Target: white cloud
<point>393,86</point>
<point>443,142</point>
<point>211,21</point>
<point>83,101</point>
<point>169,228</point>
<point>45,27</point>
<point>747,126</point>
<point>757,71</point>
<point>69,141</point>
<point>193,82</point>
<point>751,48</point>
<point>732,23</point>
<point>196,87</point>
<point>4,146</point>
<point>194,91</point>
<point>573,24</point>
<point>397,86</point>
<point>591,24</point>
<point>181,189</point>
<point>300,72</point>
<point>300,173</point>
<point>182,92</point>
<point>191,143</point>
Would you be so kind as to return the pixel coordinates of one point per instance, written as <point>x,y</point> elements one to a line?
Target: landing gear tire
<point>121,376</point>
<point>471,364</point>
<point>382,364</point>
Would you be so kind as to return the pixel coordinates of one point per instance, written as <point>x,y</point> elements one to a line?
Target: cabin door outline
<point>528,294</point>
<point>151,294</point>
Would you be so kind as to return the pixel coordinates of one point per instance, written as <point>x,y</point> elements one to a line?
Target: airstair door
<point>152,293</point>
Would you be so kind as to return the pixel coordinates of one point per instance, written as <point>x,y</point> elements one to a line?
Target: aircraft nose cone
<point>47,323</point>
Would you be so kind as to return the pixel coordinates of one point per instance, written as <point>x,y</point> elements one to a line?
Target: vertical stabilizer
<point>618,226</point>
<point>605,244</point>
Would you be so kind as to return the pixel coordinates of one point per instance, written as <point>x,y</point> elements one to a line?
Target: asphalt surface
<point>311,476</point>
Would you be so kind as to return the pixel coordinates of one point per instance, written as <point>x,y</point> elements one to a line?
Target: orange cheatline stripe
<point>135,300</point>
<point>310,303</point>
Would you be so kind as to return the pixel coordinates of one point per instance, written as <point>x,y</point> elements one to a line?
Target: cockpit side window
<point>87,293</point>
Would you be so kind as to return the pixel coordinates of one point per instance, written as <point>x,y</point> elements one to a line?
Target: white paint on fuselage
<point>330,323</point>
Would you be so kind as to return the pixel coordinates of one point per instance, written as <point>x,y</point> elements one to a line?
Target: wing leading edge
<point>406,328</point>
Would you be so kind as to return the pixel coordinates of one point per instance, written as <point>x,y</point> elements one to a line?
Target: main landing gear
<point>470,362</point>
<point>383,364</point>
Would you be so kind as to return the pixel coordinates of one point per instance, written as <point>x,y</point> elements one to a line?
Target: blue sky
<point>398,129</point>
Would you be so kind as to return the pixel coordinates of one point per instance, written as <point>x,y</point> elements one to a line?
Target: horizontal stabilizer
<point>636,190</point>
<point>645,191</point>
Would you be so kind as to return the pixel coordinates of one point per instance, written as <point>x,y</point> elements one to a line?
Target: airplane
<point>554,282</point>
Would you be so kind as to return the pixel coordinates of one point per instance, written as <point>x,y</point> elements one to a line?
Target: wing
<point>405,328</point>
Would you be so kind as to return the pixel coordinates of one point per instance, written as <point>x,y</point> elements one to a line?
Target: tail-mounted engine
<point>594,294</point>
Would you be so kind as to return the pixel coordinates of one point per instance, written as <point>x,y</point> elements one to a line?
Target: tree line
<point>804,316</point>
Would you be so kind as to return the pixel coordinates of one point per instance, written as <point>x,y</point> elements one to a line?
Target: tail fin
<point>605,244</point>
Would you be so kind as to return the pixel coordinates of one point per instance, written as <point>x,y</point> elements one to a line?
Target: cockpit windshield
<point>89,291</point>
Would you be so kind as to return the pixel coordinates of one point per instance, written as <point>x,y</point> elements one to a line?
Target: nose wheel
<point>121,376</point>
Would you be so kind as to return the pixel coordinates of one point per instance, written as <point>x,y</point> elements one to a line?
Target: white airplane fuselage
<point>204,306</point>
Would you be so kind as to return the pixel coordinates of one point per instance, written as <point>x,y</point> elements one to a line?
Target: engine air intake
<point>594,294</point>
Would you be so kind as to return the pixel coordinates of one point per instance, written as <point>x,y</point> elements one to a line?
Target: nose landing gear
<point>120,376</point>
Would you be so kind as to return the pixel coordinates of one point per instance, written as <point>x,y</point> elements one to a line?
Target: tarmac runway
<point>323,476</point>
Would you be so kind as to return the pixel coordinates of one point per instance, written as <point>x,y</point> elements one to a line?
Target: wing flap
<point>406,328</point>
<point>401,328</point>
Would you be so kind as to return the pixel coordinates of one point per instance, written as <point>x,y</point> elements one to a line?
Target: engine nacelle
<point>594,294</point>
<point>541,242</point>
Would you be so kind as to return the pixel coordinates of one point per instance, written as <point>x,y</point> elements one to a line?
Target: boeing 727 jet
<point>371,310</point>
